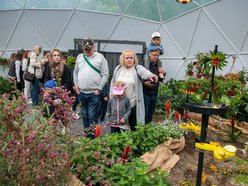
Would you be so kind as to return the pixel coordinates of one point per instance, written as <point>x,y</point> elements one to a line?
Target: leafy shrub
<point>228,92</point>
<point>125,174</point>
<point>71,62</point>
<point>5,86</point>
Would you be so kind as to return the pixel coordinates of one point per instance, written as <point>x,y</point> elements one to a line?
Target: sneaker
<point>75,116</point>
<point>29,101</point>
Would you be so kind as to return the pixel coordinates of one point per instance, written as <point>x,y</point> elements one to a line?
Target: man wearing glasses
<point>150,90</point>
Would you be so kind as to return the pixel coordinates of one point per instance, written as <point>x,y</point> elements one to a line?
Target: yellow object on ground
<point>190,126</point>
<point>220,153</point>
<point>225,152</point>
<point>211,146</point>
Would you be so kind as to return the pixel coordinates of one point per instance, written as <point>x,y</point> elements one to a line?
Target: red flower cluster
<point>215,61</point>
<point>167,107</point>
<point>177,116</point>
<point>97,131</point>
<point>126,152</point>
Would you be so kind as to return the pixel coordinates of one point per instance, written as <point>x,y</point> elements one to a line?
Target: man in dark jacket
<point>150,89</point>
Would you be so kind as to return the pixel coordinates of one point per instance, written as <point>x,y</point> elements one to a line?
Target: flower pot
<point>189,73</point>
<point>198,76</point>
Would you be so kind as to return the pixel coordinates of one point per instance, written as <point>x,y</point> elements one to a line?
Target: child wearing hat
<point>118,109</point>
<point>47,95</point>
<point>156,42</point>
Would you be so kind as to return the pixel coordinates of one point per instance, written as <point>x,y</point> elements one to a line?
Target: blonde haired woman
<point>132,75</point>
<point>58,70</point>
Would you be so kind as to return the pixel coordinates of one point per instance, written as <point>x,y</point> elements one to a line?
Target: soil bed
<point>216,172</point>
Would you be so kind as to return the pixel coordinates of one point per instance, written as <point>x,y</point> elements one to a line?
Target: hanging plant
<point>189,70</point>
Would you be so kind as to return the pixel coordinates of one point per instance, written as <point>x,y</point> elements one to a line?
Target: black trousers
<point>132,119</point>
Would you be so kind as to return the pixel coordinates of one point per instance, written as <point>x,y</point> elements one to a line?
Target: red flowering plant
<point>32,148</point>
<point>167,107</point>
<point>205,61</point>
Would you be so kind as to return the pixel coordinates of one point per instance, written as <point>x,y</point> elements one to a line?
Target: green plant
<point>243,75</point>
<point>189,69</point>
<point>172,91</point>
<point>135,173</point>
<point>242,179</point>
<point>5,86</point>
<point>205,61</point>
<point>3,61</point>
<point>233,134</point>
<point>71,61</point>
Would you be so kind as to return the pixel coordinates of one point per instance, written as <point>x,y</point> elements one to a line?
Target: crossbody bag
<point>94,68</point>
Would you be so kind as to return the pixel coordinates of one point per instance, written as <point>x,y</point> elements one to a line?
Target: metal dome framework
<point>186,29</point>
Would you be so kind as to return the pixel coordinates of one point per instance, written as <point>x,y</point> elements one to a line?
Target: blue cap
<point>153,48</point>
<point>50,84</point>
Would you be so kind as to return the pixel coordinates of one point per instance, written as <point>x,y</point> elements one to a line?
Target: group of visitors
<point>133,87</point>
<point>129,98</point>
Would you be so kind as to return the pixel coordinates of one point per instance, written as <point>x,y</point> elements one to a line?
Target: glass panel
<point>202,2</point>
<point>99,5</point>
<point>144,9</point>
<point>170,9</point>
<point>21,3</point>
<point>7,4</point>
<point>50,3</point>
<point>123,4</point>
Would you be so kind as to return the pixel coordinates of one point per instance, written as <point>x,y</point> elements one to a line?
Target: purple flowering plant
<point>33,150</point>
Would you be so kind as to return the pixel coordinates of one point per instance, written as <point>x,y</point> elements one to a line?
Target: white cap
<point>156,34</point>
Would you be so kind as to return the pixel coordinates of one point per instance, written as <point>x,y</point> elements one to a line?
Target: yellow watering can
<point>220,153</point>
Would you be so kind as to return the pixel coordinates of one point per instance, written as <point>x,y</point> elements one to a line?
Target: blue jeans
<point>89,108</point>
<point>150,101</point>
<point>35,92</point>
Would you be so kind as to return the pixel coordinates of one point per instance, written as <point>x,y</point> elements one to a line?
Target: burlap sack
<point>163,156</point>
<point>75,181</point>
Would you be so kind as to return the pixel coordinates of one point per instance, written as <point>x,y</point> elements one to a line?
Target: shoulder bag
<point>27,75</point>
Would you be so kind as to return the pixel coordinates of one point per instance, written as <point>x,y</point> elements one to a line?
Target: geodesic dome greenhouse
<point>186,29</point>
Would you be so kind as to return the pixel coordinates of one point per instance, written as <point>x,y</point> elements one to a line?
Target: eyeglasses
<point>155,55</point>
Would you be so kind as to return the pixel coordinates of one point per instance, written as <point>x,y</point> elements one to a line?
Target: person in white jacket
<point>27,84</point>
<point>35,67</point>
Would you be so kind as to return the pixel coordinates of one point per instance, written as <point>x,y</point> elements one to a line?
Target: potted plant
<point>198,71</point>
<point>189,70</point>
